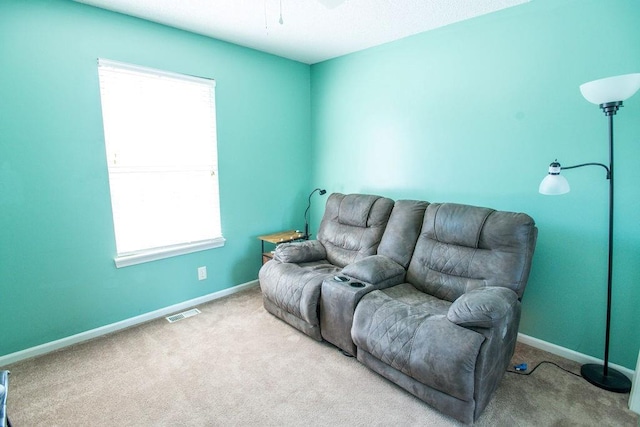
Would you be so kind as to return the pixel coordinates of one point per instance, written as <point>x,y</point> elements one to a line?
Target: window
<point>160,137</point>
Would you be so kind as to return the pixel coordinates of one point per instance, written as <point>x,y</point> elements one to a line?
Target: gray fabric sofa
<point>431,300</point>
<point>351,229</point>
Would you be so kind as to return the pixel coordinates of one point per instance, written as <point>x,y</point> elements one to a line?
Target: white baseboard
<point>569,354</point>
<point>127,323</point>
<point>634,397</point>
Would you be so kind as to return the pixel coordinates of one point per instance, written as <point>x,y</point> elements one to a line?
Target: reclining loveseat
<point>425,294</point>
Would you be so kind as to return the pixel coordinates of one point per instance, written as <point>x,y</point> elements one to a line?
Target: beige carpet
<point>236,365</point>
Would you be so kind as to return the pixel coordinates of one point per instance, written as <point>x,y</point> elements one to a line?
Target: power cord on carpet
<point>520,369</point>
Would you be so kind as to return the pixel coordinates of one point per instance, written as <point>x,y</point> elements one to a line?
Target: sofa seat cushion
<point>409,331</point>
<point>295,288</point>
<point>409,295</point>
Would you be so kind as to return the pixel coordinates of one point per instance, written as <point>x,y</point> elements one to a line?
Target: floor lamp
<point>608,93</point>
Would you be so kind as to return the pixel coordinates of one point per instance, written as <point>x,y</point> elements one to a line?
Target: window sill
<point>126,260</point>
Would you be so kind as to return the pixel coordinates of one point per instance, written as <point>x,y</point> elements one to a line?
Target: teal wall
<point>471,113</point>
<point>474,113</point>
<point>57,275</point>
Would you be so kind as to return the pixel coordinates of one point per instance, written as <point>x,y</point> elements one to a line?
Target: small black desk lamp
<point>306,213</point>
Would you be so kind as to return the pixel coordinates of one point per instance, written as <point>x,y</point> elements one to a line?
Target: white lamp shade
<point>554,185</point>
<point>611,89</point>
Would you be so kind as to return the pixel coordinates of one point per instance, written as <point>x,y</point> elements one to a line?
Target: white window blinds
<point>160,138</point>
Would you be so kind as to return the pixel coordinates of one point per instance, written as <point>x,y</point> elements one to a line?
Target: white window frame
<point>205,169</point>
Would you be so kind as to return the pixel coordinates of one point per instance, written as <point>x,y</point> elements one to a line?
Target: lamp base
<point>613,381</point>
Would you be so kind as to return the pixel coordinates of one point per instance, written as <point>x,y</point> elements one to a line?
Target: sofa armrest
<point>483,308</point>
<point>305,251</point>
<point>377,270</point>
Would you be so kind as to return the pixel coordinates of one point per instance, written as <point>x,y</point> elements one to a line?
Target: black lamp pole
<point>601,375</point>
<point>608,93</point>
<point>306,212</point>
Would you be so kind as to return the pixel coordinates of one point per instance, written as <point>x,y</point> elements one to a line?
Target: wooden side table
<point>277,238</point>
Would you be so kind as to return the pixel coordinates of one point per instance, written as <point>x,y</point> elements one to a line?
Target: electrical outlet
<point>202,273</point>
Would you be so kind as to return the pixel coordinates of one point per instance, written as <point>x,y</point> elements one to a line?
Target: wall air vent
<point>183,315</point>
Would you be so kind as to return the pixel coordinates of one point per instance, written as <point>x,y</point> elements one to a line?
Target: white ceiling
<point>311,30</point>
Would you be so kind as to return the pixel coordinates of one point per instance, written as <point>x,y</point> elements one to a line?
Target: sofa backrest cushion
<point>462,247</point>
<point>352,226</point>
<point>403,228</point>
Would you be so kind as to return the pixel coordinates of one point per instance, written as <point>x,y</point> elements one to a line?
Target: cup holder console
<point>338,299</point>
<point>346,280</point>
